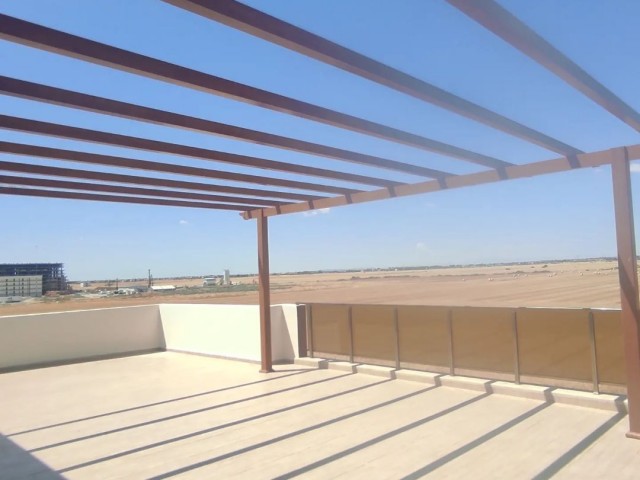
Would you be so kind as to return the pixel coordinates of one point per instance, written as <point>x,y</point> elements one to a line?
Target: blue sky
<point>561,216</point>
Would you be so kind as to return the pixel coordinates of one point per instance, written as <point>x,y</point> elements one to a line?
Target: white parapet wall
<point>222,330</point>
<point>231,331</point>
<point>284,333</point>
<point>30,340</point>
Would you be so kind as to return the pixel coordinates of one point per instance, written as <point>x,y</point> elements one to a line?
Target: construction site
<point>31,279</point>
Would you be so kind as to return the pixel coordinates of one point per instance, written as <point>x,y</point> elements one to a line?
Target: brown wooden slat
<point>582,160</point>
<point>94,158</point>
<point>156,182</point>
<point>100,187</point>
<point>32,192</point>
<point>84,134</point>
<point>67,98</point>
<point>272,29</point>
<point>516,33</point>
<point>38,36</point>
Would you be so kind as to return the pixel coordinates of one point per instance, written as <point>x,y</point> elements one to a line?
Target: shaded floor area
<point>170,415</point>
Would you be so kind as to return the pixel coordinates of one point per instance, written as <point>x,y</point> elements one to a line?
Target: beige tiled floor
<point>170,415</point>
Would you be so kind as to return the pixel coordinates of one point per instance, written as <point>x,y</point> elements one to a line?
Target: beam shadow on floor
<point>474,443</point>
<point>222,426</point>
<point>154,404</point>
<point>185,414</point>
<point>579,447</point>
<point>302,431</point>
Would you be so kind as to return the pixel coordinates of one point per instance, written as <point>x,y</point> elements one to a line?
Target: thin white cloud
<point>183,222</point>
<point>635,167</point>
<point>421,246</point>
<point>313,213</point>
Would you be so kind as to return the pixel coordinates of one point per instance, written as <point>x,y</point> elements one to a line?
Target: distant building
<point>52,274</point>
<point>21,286</point>
<point>126,291</point>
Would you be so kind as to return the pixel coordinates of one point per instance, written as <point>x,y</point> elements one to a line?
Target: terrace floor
<point>169,415</point>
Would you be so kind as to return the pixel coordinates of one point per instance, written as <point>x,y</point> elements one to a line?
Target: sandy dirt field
<point>569,284</point>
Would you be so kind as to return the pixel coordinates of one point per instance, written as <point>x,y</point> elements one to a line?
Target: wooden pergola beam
<point>108,138</point>
<point>124,162</point>
<point>516,33</point>
<point>34,192</point>
<point>272,29</point>
<point>68,98</point>
<point>38,36</point>
<point>583,160</point>
<point>152,181</point>
<point>119,189</point>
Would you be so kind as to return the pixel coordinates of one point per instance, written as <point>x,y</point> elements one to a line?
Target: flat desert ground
<point>562,284</point>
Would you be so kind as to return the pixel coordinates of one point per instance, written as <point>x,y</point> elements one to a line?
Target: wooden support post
<point>628,272</point>
<point>264,295</point>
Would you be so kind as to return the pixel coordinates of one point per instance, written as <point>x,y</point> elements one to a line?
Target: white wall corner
<point>284,333</point>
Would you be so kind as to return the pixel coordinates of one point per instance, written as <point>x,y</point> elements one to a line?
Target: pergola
<point>273,197</point>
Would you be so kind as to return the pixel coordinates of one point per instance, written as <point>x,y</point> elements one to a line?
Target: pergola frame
<point>261,203</point>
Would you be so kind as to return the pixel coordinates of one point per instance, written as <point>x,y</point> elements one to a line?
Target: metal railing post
<point>350,334</point>
<point>310,329</point>
<point>516,348</point>
<point>396,333</point>
<point>594,357</point>
<point>452,370</point>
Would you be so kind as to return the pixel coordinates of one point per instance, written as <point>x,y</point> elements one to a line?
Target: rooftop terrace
<point>155,416</point>
<point>142,392</point>
<point>166,415</point>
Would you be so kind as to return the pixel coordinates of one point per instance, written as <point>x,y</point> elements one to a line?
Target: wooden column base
<point>634,435</point>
